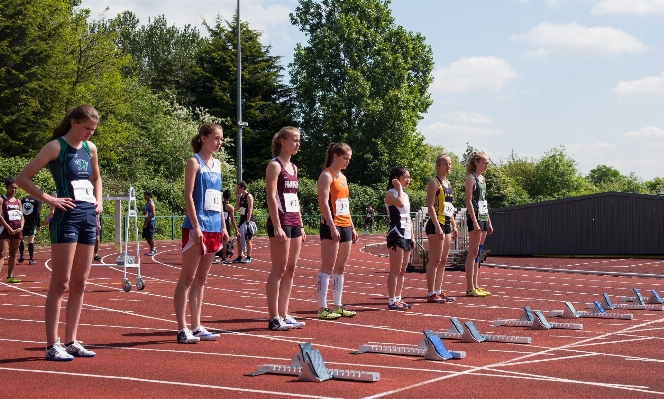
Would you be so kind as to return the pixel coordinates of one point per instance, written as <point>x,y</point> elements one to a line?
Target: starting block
<point>434,349</point>
<point>472,335</point>
<point>607,303</point>
<point>308,365</point>
<point>570,313</point>
<point>637,298</point>
<point>536,321</point>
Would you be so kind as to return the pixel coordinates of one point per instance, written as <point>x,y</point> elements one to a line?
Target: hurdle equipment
<point>599,313</point>
<point>607,303</point>
<point>308,365</point>
<point>536,321</point>
<point>433,349</point>
<point>470,334</point>
<point>637,298</point>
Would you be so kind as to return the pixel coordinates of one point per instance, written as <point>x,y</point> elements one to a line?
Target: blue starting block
<point>432,349</point>
<point>471,334</point>
<point>598,312</point>
<point>637,298</point>
<point>637,302</point>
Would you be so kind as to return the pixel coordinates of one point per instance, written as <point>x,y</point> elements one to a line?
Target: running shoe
<point>446,298</point>
<point>435,298</point>
<point>205,335</point>
<point>21,259</point>
<point>483,291</point>
<point>405,305</point>
<point>12,280</point>
<point>292,322</point>
<point>226,262</point>
<point>396,306</point>
<point>97,257</point>
<point>216,261</point>
<point>77,350</point>
<point>327,314</point>
<point>31,262</point>
<point>247,260</point>
<point>58,353</point>
<point>238,260</point>
<point>186,337</point>
<point>151,253</point>
<point>475,293</point>
<point>341,311</point>
<point>278,324</point>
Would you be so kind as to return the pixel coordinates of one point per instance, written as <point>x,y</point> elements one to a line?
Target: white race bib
<point>243,211</point>
<point>84,191</point>
<point>212,200</point>
<point>291,202</point>
<point>448,209</point>
<point>482,207</point>
<point>14,215</point>
<point>342,206</point>
<point>405,224</point>
<point>225,215</point>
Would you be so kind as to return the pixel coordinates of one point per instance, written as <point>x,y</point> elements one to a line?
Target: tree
<point>655,185</point>
<point>363,80</point>
<point>556,176</point>
<point>603,174</point>
<point>521,170</point>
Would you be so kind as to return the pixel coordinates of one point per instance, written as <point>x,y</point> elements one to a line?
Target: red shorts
<point>211,241</point>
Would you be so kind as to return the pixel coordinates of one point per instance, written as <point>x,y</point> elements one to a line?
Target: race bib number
<point>14,215</point>
<point>342,206</point>
<point>243,211</point>
<point>291,202</point>
<point>212,200</point>
<point>448,209</point>
<point>405,224</point>
<point>83,191</point>
<point>482,207</point>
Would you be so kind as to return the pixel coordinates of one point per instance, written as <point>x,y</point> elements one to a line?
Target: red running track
<point>134,336</point>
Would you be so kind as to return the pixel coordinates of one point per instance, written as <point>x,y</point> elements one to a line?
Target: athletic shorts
<point>29,231</point>
<point>394,240</point>
<point>148,231</point>
<point>484,225</point>
<point>211,241</point>
<point>291,231</point>
<point>346,233</point>
<point>78,225</point>
<point>244,228</point>
<point>368,222</point>
<point>431,228</point>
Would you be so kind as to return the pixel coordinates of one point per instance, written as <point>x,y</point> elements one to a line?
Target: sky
<point>510,75</point>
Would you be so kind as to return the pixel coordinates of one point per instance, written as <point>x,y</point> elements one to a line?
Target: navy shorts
<point>346,233</point>
<point>78,225</point>
<point>148,231</point>
<point>291,231</point>
<point>431,229</point>
<point>484,225</point>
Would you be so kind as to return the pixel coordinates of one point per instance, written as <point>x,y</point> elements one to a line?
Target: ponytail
<point>283,134</point>
<point>78,114</point>
<point>472,158</point>
<point>337,149</point>
<point>396,173</point>
<point>204,130</point>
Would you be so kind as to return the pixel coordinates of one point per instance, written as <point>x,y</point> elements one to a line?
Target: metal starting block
<point>124,259</point>
<point>434,349</point>
<point>536,321</point>
<point>308,365</point>
<point>598,312</point>
<point>472,335</point>
<point>637,298</point>
<point>607,303</point>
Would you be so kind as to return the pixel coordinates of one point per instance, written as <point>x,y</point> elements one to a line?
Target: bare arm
<point>395,200</point>
<point>271,175</point>
<point>189,178</point>
<point>2,219</point>
<point>95,178</point>
<point>231,215</point>
<point>24,179</point>
<point>470,184</point>
<point>250,206</point>
<point>432,189</point>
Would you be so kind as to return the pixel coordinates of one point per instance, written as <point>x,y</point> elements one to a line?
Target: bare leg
<point>279,256</point>
<point>435,256</point>
<point>286,283</point>
<point>11,262</point>
<point>443,261</point>
<point>80,270</point>
<point>476,265</point>
<point>62,256</point>
<point>328,257</point>
<point>4,245</point>
<point>471,271</point>
<point>190,260</point>
<point>249,246</point>
<point>402,272</point>
<point>196,290</point>
<point>396,259</point>
<point>150,243</point>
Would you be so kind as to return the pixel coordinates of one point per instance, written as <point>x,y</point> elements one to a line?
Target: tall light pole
<point>240,124</point>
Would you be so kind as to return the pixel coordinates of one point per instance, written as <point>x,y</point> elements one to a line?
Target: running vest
<point>338,200</point>
<point>207,197</point>
<point>146,209</point>
<point>480,205</point>
<point>227,216</point>
<point>31,211</point>
<point>11,212</point>
<point>443,203</point>
<point>399,217</point>
<point>244,209</point>
<point>287,202</point>
<point>71,171</point>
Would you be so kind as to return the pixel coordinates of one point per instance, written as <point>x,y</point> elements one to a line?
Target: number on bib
<point>342,206</point>
<point>483,207</point>
<point>212,200</point>
<point>292,204</point>
<point>83,191</point>
<point>14,215</point>
<point>405,225</point>
<point>448,209</point>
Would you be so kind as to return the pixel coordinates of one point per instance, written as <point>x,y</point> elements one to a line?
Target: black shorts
<point>346,233</point>
<point>291,231</point>
<point>368,222</point>
<point>484,225</point>
<point>394,240</point>
<point>148,231</point>
<point>78,225</point>
<point>431,229</point>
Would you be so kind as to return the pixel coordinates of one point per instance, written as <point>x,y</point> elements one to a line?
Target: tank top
<point>11,212</point>
<point>244,209</point>
<point>71,171</point>
<point>31,210</point>
<point>399,217</point>
<point>207,197</point>
<point>146,209</point>
<point>480,205</point>
<point>288,204</point>
<point>227,216</point>
<point>338,200</point>
<point>443,203</point>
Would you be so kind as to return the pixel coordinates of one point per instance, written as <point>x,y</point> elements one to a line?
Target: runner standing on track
<point>229,220</point>
<point>32,221</point>
<point>203,231</point>
<point>477,219</point>
<point>244,201</point>
<point>440,228</point>
<point>72,160</point>
<point>399,236</point>
<point>149,222</point>
<point>369,219</point>
<point>284,227</point>
<point>337,232</point>
<point>11,227</point>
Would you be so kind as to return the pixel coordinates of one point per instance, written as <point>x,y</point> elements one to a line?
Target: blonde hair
<point>440,158</point>
<point>336,149</point>
<point>472,158</point>
<point>283,134</point>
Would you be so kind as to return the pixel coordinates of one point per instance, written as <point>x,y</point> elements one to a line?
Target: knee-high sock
<point>21,247</point>
<point>337,288</point>
<point>31,250</point>
<point>323,284</point>
<point>479,252</point>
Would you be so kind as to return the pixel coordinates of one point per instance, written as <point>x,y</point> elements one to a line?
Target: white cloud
<point>575,39</point>
<point>628,7</point>
<point>447,130</point>
<point>468,118</point>
<point>646,132</point>
<point>647,85</point>
<point>553,3</point>
<point>473,73</point>
<point>595,148</point>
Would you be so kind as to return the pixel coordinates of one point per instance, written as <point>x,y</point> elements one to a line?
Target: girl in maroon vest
<point>11,227</point>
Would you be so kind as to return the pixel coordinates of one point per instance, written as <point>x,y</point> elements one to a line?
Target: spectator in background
<point>149,223</point>
<point>32,215</point>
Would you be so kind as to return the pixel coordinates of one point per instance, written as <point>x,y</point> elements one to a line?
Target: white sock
<point>398,298</point>
<point>393,301</point>
<point>439,292</point>
<point>337,288</point>
<point>431,293</point>
<point>323,284</point>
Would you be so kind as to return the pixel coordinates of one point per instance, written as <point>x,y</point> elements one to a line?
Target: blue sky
<point>509,75</point>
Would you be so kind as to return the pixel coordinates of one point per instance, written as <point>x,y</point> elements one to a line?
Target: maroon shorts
<point>211,241</point>
<point>4,234</point>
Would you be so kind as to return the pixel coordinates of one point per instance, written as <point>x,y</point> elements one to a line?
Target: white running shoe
<point>292,322</point>
<point>205,335</point>
<point>77,350</point>
<point>186,337</point>
<point>278,324</point>
<point>58,353</point>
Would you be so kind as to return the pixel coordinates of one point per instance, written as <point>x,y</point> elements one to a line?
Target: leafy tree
<point>363,80</point>
<point>655,185</point>
<point>556,176</point>
<point>521,170</point>
<point>603,174</point>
